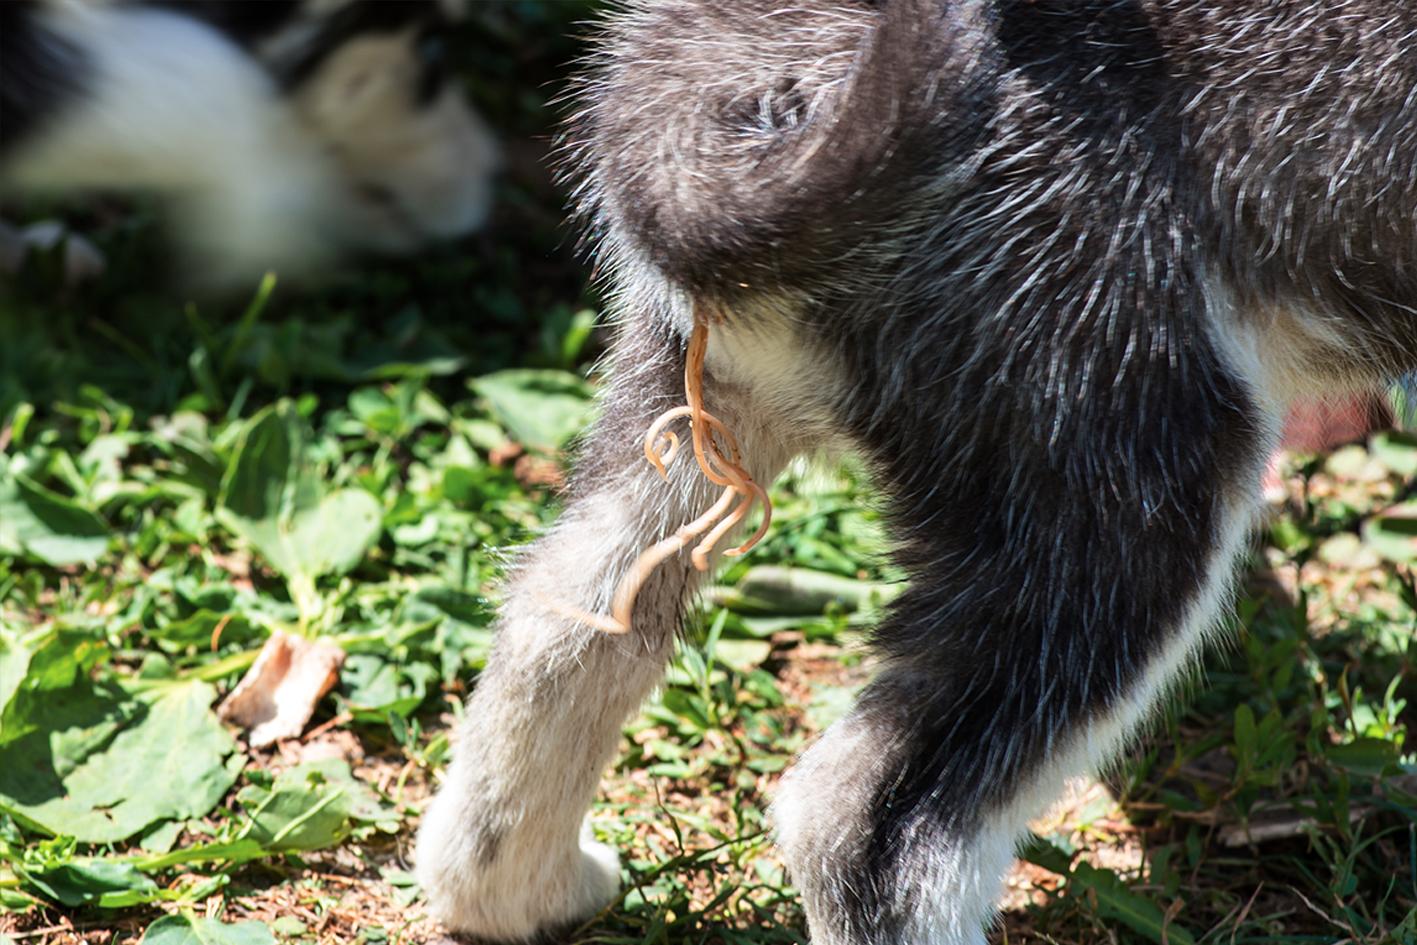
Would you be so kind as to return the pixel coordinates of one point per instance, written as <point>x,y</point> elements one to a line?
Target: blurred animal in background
<point>278,133</point>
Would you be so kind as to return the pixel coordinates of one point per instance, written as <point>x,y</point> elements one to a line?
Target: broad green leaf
<point>229,852</point>
<point>261,467</point>
<point>1393,534</point>
<point>39,663</point>
<point>1368,757</point>
<point>14,667</point>
<point>15,901</point>
<point>1044,853</point>
<point>742,655</point>
<point>161,838</point>
<point>1396,450</point>
<point>396,410</point>
<point>186,438</point>
<point>190,930</point>
<point>197,629</point>
<point>278,504</point>
<point>45,525</point>
<point>434,601</point>
<point>106,765</point>
<point>1132,909</point>
<point>84,882</point>
<point>334,537</point>
<point>541,409</point>
<point>1246,736</point>
<point>373,687</point>
<point>312,806</point>
<point>288,926</point>
<point>378,411</point>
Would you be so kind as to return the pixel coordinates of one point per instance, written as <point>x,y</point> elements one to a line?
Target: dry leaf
<point>279,692</point>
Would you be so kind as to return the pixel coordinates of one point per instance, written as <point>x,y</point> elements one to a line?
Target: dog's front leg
<point>502,852</point>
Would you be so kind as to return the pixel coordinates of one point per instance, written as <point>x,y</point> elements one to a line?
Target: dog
<point>1054,269</point>
<point>283,133</point>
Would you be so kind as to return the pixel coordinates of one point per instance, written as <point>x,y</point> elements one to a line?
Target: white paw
<point>512,886</point>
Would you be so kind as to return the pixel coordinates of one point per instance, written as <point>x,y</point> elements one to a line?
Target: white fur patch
<point>432,164</point>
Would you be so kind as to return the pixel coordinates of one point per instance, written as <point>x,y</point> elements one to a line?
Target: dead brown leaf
<point>279,692</point>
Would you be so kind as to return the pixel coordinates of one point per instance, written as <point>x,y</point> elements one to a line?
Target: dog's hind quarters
<point>1055,270</point>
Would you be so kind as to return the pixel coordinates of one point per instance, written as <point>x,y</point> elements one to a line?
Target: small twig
<point>44,931</point>
<point>341,719</point>
<point>1171,912</point>
<point>1244,913</point>
<point>341,880</point>
<point>1317,911</point>
<point>216,631</point>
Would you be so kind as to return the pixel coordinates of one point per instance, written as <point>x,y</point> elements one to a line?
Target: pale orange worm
<point>661,446</point>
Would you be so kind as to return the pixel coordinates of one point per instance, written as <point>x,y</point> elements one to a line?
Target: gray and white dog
<point>1054,268</point>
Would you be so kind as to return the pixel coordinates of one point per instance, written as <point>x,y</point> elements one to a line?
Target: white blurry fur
<point>176,108</point>
<point>254,178</point>
<point>432,163</point>
<point>81,260</point>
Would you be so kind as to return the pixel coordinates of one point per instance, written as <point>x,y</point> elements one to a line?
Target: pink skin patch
<point>1316,425</point>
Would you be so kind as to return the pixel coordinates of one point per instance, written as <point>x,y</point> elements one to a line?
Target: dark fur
<point>39,71</point>
<point>1016,232</point>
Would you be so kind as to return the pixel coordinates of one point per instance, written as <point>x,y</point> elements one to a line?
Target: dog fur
<point>1054,269</point>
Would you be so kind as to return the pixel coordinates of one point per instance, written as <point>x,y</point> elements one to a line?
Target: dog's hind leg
<point>1058,588</point>
<point>502,852</point>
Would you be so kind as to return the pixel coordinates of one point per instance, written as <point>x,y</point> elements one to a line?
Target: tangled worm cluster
<point>721,462</point>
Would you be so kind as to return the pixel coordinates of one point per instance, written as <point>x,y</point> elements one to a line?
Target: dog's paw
<point>515,887</point>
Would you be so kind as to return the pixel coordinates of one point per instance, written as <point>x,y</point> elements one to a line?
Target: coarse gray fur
<point>1054,268</point>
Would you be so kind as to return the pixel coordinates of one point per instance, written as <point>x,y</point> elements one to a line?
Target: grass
<point>1275,803</point>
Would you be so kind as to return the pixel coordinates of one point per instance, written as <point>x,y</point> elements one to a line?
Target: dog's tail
<point>732,144</point>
